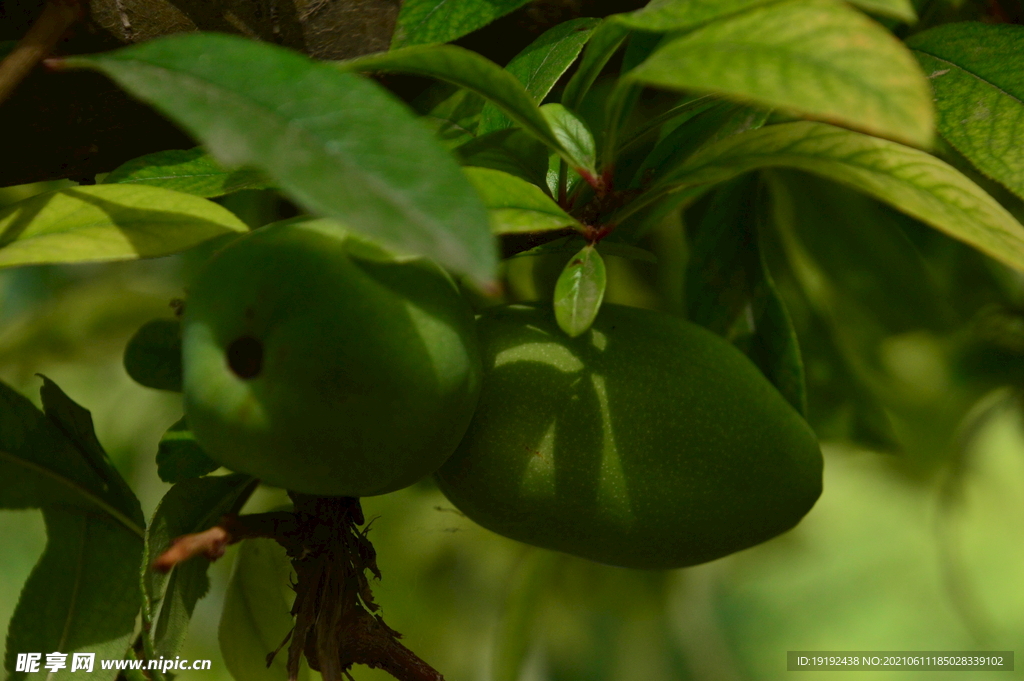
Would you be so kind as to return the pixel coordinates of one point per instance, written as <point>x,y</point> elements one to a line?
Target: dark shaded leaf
<point>153,355</point>
<point>727,281</point>
<point>511,151</point>
<point>169,599</point>
<point>179,457</point>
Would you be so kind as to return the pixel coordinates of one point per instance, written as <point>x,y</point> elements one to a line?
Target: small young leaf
<point>257,612</point>
<point>574,136</point>
<point>511,151</point>
<point>468,70</point>
<point>82,596</point>
<point>539,66</point>
<point>579,291</point>
<point>604,43</point>
<point>441,21</point>
<point>169,599</point>
<point>40,466</point>
<point>108,222</point>
<point>975,70</point>
<point>153,355</point>
<point>516,205</point>
<point>179,457</point>
<point>191,171</point>
<point>339,145</point>
<point>911,181</point>
<point>816,57</point>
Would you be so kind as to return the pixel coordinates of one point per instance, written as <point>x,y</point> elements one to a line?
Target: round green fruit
<point>646,442</point>
<point>320,364</point>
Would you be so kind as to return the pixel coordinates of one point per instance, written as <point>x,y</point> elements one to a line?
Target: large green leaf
<point>153,355</point>
<point>179,457</point>
<point>818,58</point>
<point>515,205</point>
<point>439,21</point>
<point>468,70</point>
<point>169,599</point>
<point>82,596</point>
<point>539,66</point>
<point>53,460</point>
<point>676,15</point>
<point>910,180</point>
<point>191,171</point>
<point>257,612</point>
<point>338,144</point>
<point>579,291</point>
<point>108,222</point>
<point>977,72</point>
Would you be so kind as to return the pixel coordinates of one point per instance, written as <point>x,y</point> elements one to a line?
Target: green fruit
<point>646,442</point>
<point>318,363</point>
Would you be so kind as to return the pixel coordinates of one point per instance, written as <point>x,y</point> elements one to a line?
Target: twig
<point>57,17</point>
<point>229,530</point>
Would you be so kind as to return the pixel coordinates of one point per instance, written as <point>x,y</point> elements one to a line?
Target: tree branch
<point>57,17</point>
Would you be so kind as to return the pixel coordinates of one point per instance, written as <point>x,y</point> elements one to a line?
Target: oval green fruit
<point>646,442</point>
<point>318,363</point>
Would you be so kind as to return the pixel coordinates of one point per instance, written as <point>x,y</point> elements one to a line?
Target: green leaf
<point>169,599</point>
<point>468,70</point>
<point>338,144</point>
<point>41,467</point>
<point>677,15</point>
<point>179,457</point>
<point>257,612</point>
<point>453,113</point>
<point>728,281</point>
<point>75,422</point>
<point>515,205</point>
<point>720,121</point>
<point>441,21</point>
<point>818,58</point>
<point>511,151</point>
<point>604,43</point>
<point>153,355</point>
<point>191,171</point>
<point>539,66</point>
<point>909,180</point>
<point>977,72</point>
<point>82,596</point>
<point>574,136</point>
<point>108,222</point>
<point>579,291</point>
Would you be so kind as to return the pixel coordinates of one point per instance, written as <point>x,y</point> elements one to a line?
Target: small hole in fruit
<point>245,357</point>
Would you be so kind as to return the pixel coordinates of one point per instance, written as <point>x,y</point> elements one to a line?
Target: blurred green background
<point>919,550</point>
